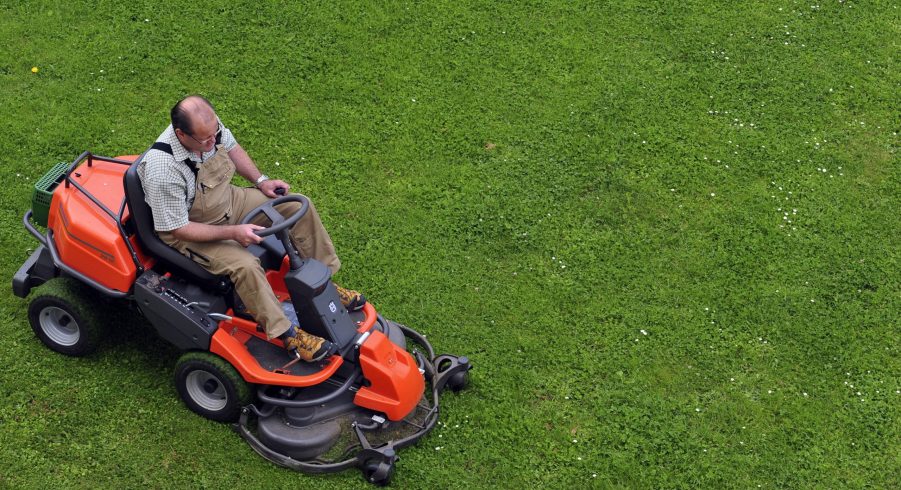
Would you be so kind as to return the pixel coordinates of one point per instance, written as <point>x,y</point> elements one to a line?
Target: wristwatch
<point>260,180</point>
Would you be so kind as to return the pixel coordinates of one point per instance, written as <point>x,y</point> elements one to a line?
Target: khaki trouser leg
<point>309,235</point>
<point>244,270</point>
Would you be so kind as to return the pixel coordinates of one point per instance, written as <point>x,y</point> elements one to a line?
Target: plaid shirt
<point>169,184</point>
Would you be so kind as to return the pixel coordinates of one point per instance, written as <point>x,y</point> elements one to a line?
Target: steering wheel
<point>279,222</point>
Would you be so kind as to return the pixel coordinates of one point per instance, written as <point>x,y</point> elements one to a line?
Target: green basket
<point>43,192</point>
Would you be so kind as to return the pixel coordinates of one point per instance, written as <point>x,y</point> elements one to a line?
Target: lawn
<point>665,233</point>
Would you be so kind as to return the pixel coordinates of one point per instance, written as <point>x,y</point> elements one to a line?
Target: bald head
<point>191,112</point>
<point>195,124</point>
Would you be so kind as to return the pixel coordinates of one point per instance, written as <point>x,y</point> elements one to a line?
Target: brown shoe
<point>310,348</point>
<point>351,299</point>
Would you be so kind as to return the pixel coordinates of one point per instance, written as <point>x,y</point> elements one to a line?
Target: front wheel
<point>378,473</point>
<point>211,387</point>
<point>458,381</point>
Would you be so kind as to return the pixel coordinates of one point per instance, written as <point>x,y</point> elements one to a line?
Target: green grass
<point>665,233</point>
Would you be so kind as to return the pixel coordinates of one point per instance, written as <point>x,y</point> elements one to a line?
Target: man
<point>186,178</point>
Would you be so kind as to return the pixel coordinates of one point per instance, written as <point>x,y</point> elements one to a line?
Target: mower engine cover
<point>87,239</point>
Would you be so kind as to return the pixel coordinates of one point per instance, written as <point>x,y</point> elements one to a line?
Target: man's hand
<point>244,234</point>
<point>268,187</point>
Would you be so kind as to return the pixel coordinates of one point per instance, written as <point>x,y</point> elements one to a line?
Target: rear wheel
<point>65,317</point>
<point>211,387</point>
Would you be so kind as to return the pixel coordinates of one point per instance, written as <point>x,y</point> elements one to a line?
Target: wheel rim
<point>206,390</point>
<point>59,326</point>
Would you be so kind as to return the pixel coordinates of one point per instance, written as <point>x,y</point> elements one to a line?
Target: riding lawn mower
<point>379,393</point>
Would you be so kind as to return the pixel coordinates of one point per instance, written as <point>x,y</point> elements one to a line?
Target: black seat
<point>142,222</point>
<point>270,252</point>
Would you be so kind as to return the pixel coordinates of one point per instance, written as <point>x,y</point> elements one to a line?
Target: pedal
<point>286,368</point>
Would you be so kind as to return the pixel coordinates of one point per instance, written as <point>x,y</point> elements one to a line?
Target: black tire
<point>377,472</point>
<point>458,381</point>
<point>66,317</point>
<point>211,387</point>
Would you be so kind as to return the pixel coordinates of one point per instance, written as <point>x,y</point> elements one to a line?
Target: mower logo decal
<point>332,307</point>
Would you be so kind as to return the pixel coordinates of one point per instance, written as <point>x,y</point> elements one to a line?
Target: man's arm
<point>199,232</point>
<point>247,169</point>
<point>243,164</point>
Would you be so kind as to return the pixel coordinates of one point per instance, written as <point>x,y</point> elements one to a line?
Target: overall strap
<point>163,147</point>
<point>167,148</point>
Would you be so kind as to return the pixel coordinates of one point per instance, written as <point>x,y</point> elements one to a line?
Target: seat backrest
<point>142,222</point>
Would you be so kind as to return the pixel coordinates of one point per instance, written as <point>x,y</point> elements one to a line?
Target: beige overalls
<point>218,202</point>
